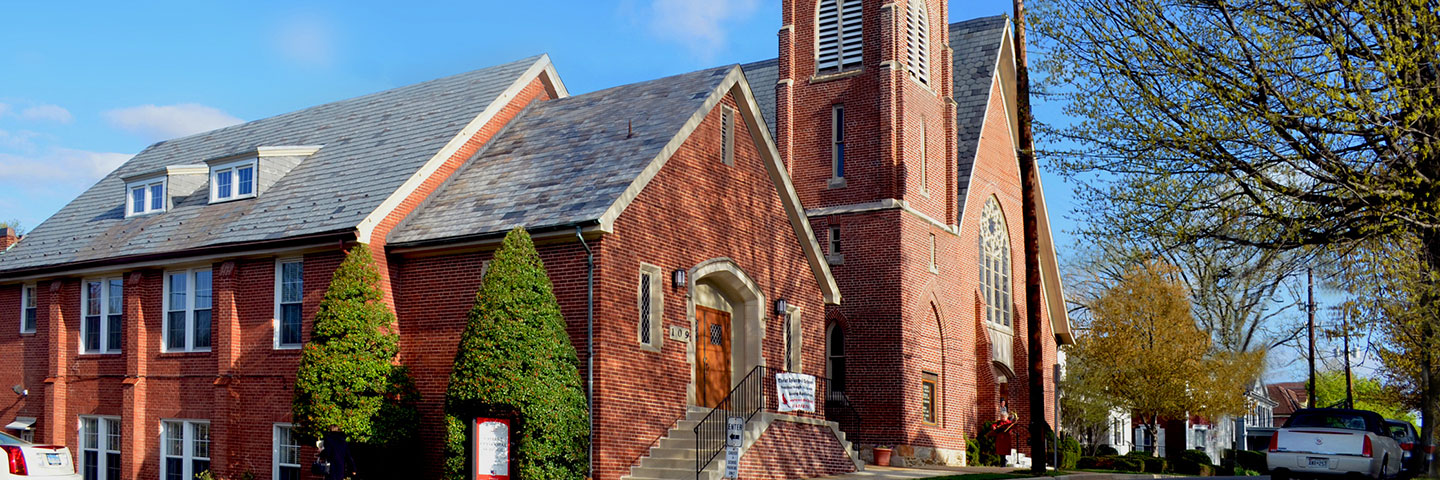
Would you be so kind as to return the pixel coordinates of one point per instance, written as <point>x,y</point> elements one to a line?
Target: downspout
<point>589,346</point>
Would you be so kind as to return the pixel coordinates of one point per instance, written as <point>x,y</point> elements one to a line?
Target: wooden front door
<point>713,354</point>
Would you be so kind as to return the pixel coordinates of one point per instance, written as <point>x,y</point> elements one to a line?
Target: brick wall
<point>795,450</point>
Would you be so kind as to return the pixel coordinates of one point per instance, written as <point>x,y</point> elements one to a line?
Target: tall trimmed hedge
<point>516,360</point>
<point>347,377</point>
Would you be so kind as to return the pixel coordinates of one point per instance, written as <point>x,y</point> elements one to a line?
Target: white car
<point>23,459</point>
<point>1326,442</point>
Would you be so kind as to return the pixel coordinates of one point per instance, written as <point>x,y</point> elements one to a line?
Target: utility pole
<point>1029,193</point>
<point>1349,382</point>
<point>1310,309</point>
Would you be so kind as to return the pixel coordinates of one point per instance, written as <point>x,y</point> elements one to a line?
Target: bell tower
<point>862,103</point>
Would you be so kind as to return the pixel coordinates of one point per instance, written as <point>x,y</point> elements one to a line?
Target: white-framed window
<point>289,299</point>
<point>187,310</point>
<point>99,448</point>
<point>651,297</point>
<point>834,241</point>
<point>995,264</point>
<point>793,345</point>
<point>101,327</point>
<point>286,457</point>
<point>29,309</point>
<point>184,448</point>
<point>727,135</point>
<point>145,197</point>
<point>232,181</point>
<point>917,40</point>
<point>838,35</point>
<point>837,141</point>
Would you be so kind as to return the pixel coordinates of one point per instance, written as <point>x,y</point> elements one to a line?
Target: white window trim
<point>794,337</point>
<point>834,255</point>
<point>234,168</point>
<point>189,311</point>
<point>917,36</point>
<point>25,305</point>
<point>164,183</point>
<point>105,347</point>
<point>934,256</point>
<point>279,288</point>
<point>657,307</point>
<point>187,446</point>
<point>727,135</point>
<point>101,443</point>
<point>837,141</point>
<point>275,450</point>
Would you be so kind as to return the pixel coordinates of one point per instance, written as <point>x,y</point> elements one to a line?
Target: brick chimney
<point>7,238</point>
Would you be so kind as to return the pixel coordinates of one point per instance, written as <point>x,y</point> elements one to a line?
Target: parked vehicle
<point>1415,459</point>
<point>1317,442</point>
<point>27,460</point>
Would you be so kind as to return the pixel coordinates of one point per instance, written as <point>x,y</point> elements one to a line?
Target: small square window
<point>835,240</point>
<point>233,181</point>
<point>145,197</point>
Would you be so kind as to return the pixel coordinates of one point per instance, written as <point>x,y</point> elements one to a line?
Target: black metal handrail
<point>750,395</point>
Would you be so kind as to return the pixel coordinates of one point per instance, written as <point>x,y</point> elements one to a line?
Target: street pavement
<point>873,472</point>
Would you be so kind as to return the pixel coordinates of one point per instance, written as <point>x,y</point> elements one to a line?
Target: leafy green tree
<point>516,360</point>
<point>1282,124</point>
<point>1144,351</point>
<point>347,379</point>
<point>1083,400</point>
<point>1369,394</point>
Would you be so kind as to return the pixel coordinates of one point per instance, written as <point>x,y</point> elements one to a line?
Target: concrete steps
<point>672,457</point>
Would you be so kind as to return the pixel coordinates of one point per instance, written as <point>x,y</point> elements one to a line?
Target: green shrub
<point>1155,464</point>
<point>1069,452</point>
<point>1088,463</point>
<point>1189,466</point>
<point>1127,464</point>
<point>347,378</point>
<point>1139,453</point>
<point>515,360</point>
<point>1197,456</point>
<point>1250,460</point>
<point>1106,450</point>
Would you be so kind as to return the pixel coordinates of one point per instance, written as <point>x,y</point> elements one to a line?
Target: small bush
<point>1106,450</point>
<point>1139,453</point>
<point>1250,460</point>
<point>1128,464</point>
<point>1155,464</point>
<point>1087,463</point>
<point>1191,467</point>
<point>1197,456</point>
<point>1069,452</point>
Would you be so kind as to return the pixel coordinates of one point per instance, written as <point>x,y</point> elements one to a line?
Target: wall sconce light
<point>20,390</point>
<point>677,278</point>
<point>781,307</point>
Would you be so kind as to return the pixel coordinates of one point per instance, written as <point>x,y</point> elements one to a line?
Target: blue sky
<point>84,88</point>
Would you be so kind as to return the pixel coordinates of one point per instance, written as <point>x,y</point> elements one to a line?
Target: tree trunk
<point>1429,403</point>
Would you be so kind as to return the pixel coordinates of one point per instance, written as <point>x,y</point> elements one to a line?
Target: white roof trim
<point>287,151</point>
<point>366,228</point>
<point>735,83</point>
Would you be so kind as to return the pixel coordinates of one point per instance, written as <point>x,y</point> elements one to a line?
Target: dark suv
<point>1414,460</point>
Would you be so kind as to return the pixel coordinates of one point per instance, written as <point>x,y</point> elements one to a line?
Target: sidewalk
<point>874,472</point>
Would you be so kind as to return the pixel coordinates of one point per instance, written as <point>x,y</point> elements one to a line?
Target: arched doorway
<point>726,312</point>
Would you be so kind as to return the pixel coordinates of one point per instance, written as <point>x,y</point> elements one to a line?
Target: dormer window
<point>232,181</point>
<point>145,197</point>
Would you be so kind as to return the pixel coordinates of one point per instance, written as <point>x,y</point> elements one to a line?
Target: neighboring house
<point>1117,433</point>
<point>1260,420</point>
<point>1288,397</point>
<point>163,309</point>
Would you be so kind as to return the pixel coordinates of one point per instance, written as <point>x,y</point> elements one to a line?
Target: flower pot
<point>882,456</point>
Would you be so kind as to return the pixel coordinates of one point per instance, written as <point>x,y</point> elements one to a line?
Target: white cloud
<point>54,113</point>
<point>19,140</point>
<point>4,108</point>
<point>308,40</point>
<point>164,122</point>
<point>64,165</point>
<point>698,24</point>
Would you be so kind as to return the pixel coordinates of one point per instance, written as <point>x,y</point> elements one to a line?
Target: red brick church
<point>847,210</point>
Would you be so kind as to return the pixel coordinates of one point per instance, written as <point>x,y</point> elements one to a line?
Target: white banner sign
<point>797,392</point>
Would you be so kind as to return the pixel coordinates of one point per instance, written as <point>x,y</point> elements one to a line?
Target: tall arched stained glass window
<point>995,264</point>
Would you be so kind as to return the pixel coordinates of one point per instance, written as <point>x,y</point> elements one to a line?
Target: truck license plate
<point>52,458</point>
<point>1318,462</point>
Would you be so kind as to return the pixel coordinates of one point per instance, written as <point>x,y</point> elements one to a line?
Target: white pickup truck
<point>1324,442</point>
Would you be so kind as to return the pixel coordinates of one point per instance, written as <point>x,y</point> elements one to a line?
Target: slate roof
<point>561,162</point>
<point>976,46</point>
<point>762,76</point>
<point>372,144</point>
